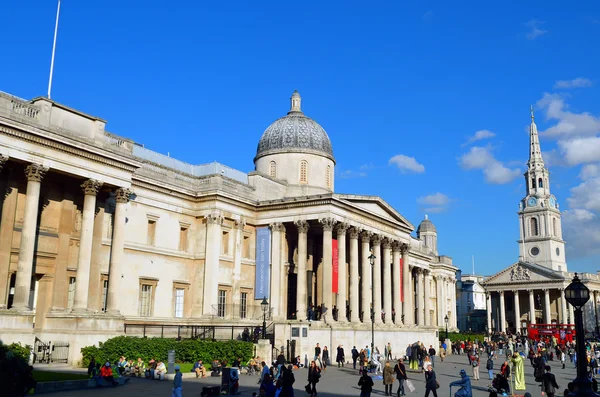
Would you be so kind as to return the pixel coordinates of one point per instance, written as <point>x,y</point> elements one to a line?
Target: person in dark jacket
<point>538,372</point>
<point>325,357</point>
<point>430,382</point>
<point>287,386</point>
<point>366,384</point>
<point>355,356</point>
<point>400,371</point>
<point>340,356</point>
<point>490,367</point>
<point>314,374</point>
<point>549,385</point>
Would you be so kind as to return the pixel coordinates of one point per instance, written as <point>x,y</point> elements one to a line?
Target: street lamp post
<point>577,294</point>
<point>372,260</point>
<point>446,320</point>
<point>265,306</point>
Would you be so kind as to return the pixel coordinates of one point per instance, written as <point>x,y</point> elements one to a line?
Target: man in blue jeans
<point>490,367</point>
<point>400,371</point>
<point>432,355</point>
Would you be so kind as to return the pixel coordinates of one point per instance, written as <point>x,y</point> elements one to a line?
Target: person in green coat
<point>519,371</point>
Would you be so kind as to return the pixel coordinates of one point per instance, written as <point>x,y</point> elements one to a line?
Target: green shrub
<point>157,348</point>
<point>20,351</point>
<point>13,368</point>
<point>461,336</point>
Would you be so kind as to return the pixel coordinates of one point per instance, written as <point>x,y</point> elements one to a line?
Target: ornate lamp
<point>446,321</point>
<point>577,295</point>
<point>265,307</point>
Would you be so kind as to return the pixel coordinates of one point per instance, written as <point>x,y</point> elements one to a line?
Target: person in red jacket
<point>107,375</point>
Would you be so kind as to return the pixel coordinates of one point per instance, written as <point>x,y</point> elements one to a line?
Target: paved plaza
<point>336,382</point>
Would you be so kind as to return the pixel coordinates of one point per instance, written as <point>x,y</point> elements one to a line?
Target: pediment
<point>523,273</point>
<point>376,206</point>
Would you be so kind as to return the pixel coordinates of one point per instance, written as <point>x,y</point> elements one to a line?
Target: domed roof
<point>426,226</point>
<point>295,133</point>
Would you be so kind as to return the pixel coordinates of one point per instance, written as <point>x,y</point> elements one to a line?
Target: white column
<point>327,224</point>
<point>301,298</point>
<point>408,307</point>
<point>354,280</point>
<point>212,263</point>
<point>421,296</point>
<point>438,299</point>
<point>517,311</point>
<point>488,300</point>
<point>377,278</point>
<point>547,313</point>
<point>34,173</point>
<point>82,278</point>
<point>502,313</point>
<point>563,304</point>
<point>117,253</point>
<point>397,281</point>
<point>387,280</point>
<point>277,229</point>
<point>531,307</point>
<point>427,289</point>
<point>365,280</point>
<point>453,302</point>
<point>342,276</point>
<point>571,314</point>
<point>445,300</point>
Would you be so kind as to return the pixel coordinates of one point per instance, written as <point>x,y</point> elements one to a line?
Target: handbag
<point>437,384</point>
<point>410,386</point>
<point>307,388</point>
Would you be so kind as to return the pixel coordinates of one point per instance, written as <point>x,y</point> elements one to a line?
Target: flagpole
<point>53,51</point>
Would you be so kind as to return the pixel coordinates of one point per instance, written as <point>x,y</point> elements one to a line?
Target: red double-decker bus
<point>561,333</point>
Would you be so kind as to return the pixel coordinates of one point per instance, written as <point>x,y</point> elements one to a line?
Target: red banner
<point>401,283</point>
<point>335,266</point>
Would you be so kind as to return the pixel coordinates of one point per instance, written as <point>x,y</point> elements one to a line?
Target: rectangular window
<point>151,232</point>
<point>179,299</point>
<point>71,295</point>
<point>243,305</point>
<point>183,238</point>
<point>225,244</point>
<point>104,294</point>
<point>146,300</point>
<point>221,303</point>
<point>246,247</point>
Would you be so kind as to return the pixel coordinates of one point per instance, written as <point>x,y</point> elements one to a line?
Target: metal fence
<point>209,332</point>
<point>49,352</point>
<point>241,312</point>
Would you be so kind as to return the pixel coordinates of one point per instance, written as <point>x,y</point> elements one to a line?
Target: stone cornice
<point>107,158</point>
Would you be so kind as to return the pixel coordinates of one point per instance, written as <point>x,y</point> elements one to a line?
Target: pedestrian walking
<point>431,383</point>
<point>388,355</point>
<point>490,367</point>
<point>325,357</point>
<point>400,371</point>
<point>475,364</point>
<point>432,355</point>
<point>366,384</point>
<point>355,356</point>
<point>549,385</point>
<point>314,374</point>
<point>388,378</point>
<point>340,357</point>
<point>177,382</point>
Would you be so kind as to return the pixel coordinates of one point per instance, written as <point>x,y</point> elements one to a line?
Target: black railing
<point>208,332</point>
<point>57,352</point>
<point>240,312</point>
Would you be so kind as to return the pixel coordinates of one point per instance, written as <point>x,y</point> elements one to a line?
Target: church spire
<point>535,152</point>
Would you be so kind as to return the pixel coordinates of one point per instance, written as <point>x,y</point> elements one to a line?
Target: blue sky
<point>202,80</point>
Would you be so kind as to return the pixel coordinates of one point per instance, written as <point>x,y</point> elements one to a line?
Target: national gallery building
<point>101,237</point>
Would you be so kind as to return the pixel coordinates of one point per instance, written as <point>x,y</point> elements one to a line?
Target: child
<point>177,382</point>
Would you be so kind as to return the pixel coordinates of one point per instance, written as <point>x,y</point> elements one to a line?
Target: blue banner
<point>263,263</point>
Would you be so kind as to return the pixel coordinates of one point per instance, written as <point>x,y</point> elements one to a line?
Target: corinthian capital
<point>214,218</point>
<point>3,160</point>
<point>386,243</point>
<point>376,239</point>
<point>341,228</point>
<point>240,224</point>
<point>404,247</point>
<point>122,195</point>
<point>365,236</point>
<point>353,232</point>
<point>396,246</point>
<point>35,172</point>
<point>302,226</point>
<point>91,187</point>
<point>327,223</point>
<point>277,227</point>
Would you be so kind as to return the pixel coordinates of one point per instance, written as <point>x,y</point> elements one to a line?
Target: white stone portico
<point>100,237</point>
<point>531,291</point>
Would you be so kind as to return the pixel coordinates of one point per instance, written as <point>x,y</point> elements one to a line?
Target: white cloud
<point>586,195</point>
<point>407,164</point>
<point>348,174</point>
<point>494,171</point>
<point>434,203</point>
<point>567,123</point>
<point>580,150</point>
<point>534,29</point>
<point>579,82</point>
<point>478,136</point>
<point>589,171</point>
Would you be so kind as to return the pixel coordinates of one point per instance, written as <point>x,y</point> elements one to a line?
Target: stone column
<point>563,306</point>
<point>427,288</point>
<point>7,224</point>
<point>547,313</point>
<point>276,267</point>
<point>453,301</point>
<point>444,282</point>
<point>502,313</point>
<point>365,289</point>
<point>517,311</point>
<point>531,307</point>
<point>301,312</point>
<point>488,300</point>
<point>327,224</point>
<point>84,262</point>
<point>34,173</point>
<point>571,314</point>
<point>117,252</point>
<point>377,278</point>
<point>387,280</point>
<point>238,238</point>
<point>421,297</point>
<point>408,307</point>
<point>354,280</point>
<point>214,235</point>
<point>342,276</point>
<point>438,301</point>
<point>396,281</point>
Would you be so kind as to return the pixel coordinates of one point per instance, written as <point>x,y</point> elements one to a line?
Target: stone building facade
<point>532,290</point>
<point>99,234</point>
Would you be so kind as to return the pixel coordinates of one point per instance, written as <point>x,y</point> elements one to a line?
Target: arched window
<point>533,227</point>
<point>533,183</point>
<point>272,169</point>
<point>540,183</point>
<point>554,227</point>
<point>328,177</point>
<point>303,171</point>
